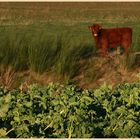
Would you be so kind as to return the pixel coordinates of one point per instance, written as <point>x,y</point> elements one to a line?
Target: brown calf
<point>111,38</point>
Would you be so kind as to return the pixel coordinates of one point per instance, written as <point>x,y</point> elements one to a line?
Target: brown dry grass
<point>7,76</point>
<point>111,70</point>
<point>93,72</point>
<point>26,12</point>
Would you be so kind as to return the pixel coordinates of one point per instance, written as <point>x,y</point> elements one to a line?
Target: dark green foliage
<point>66,111</point>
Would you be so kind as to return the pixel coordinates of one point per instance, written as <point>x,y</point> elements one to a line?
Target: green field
<point>52,40</point>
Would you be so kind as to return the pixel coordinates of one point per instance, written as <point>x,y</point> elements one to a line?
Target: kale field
<point>67,111</point>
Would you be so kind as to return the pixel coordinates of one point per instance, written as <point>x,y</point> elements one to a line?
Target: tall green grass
<point>36,48</point>
<point>13,49</point>
<point>28,48</point>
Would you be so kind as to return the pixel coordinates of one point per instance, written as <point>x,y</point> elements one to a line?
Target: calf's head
<point>95,28</point>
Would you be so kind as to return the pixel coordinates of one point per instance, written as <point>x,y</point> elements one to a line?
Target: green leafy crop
<point>67,111</point>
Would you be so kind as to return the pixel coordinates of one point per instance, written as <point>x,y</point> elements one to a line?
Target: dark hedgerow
<point>62,111</point>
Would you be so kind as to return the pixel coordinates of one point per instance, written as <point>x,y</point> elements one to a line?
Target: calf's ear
<point>90,27</point>
<point>100,27</point>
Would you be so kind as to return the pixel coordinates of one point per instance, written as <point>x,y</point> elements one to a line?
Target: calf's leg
<point>126,47</point>
<point>104,50</point>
